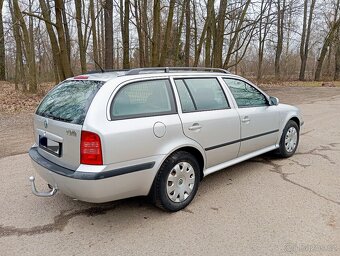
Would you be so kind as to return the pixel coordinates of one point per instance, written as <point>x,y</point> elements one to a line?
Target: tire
<point>177,182</point>
<point>289,140</point>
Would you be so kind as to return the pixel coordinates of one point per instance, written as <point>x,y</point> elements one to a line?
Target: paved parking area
<point>264,206</point>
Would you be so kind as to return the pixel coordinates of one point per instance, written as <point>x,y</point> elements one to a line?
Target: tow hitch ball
<point>50,193</point>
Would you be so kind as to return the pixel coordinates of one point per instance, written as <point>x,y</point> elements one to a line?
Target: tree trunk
<point>66,31</point>
<point>81,42</point>
<point>210,30</point>
<point>219,35</point>
<point>100,31</point>
<point>138,12</point>
<point>94,35</point>
<point>108,9</point>
<point>263,31</point>
<point>178,35</point>
<point>2,47</point>
<point>328,40</point>
<point>156,32</point>
<point>53,40</point>
<point>280,29</point>
<point>187,34</point>
<point>306,31</point>
<point>195,26</point>
<point>168,30</point>
<point>30,56</point>
<point>19,65</point>
<point>234,39</point>
<point>124,23</point>
<point>145,31</point>
<point>64,57</point>
<point>337,57</point>
<point>200,45</point>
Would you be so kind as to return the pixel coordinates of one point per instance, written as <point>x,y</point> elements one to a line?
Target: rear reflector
<point>90,149</point>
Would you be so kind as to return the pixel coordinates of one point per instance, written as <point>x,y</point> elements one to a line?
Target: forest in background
<point>50,40</point>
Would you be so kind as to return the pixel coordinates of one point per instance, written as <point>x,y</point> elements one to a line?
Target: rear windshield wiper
<point>59,118</point>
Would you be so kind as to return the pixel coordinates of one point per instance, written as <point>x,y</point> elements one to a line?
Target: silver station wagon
<point>105,136</point>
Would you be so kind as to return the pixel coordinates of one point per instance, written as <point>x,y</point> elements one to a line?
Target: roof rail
<point>137,71</point>
<point>106,70</point>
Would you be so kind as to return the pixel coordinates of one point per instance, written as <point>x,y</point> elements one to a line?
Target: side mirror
<point>274,101</point>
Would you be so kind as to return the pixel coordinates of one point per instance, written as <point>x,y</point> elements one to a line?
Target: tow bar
<point>51,193</point>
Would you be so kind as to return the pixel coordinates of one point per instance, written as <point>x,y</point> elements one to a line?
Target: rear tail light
<point>90,149</point>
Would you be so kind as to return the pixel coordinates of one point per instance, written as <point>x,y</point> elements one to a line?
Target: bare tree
<point>305,37</point>
<point>108,12</point>
<point>337,56</point>
<point>328,41</point>
<point>235,35</point>
<point>281,10</point>
<point>202,39</point>
<point>332,33</point>
<point>81,41</point>
<point>62,39</point>
<point>168,30</point>
<point>179,34</point>
<point>187,34</point>
<point>156,32</point>
<point>138,17</point>
<point>264,26</point>
<point>30,55</point>
<point>2,46</point>
<point>94,35</point>
<point>219,34</point>
<point>66,29</point>
<point>210,31</point>
<point>19,64</point>
<point>124,24</point>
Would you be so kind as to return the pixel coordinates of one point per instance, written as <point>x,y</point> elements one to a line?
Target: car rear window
<point>69,101</point>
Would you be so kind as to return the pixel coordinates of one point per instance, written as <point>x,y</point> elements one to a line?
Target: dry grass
<point>15,101</point>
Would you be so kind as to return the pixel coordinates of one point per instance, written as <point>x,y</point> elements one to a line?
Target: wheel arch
<point>296,120</point>
<point>197,153</point>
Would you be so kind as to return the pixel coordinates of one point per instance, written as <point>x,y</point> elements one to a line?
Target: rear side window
<point>69,101</point>
<point>144,98</point>
<point>245,95</point>
<point>201,94</point>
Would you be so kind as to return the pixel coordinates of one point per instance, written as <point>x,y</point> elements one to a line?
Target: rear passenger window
<point>141,99</point>
<point>201,94</point>
<point>245,95</point>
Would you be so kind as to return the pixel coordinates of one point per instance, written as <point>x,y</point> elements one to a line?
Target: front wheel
<point>176,182</point>
<point>289,139</point>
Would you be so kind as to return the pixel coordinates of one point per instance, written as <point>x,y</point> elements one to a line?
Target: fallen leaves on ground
<point>15,101</point>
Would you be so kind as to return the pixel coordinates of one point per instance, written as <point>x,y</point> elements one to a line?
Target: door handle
<point>195,127</point>
<point>246,119</point>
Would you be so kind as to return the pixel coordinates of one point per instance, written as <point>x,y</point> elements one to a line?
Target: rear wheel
<point>289,139</point>
<point>176,182</point>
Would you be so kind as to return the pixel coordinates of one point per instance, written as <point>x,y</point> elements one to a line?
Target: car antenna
<point>101,69</point>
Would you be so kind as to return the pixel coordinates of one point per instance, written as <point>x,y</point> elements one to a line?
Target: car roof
<point>106,75</point>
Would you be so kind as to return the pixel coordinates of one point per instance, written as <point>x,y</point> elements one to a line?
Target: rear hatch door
<point>59,119</point>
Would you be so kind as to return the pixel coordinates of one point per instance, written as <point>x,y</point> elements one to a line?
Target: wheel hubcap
<point>291,139</point>
<point>181,181</point>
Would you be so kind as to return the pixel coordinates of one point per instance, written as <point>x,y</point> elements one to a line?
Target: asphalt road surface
<point>265,206</point>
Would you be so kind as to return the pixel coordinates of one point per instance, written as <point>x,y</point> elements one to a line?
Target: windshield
<point>69,101</point>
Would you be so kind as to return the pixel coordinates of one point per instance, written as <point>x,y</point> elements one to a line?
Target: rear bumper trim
<point>36,157</point>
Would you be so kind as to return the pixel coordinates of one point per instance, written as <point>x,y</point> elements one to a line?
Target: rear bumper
<point>99,185</point>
